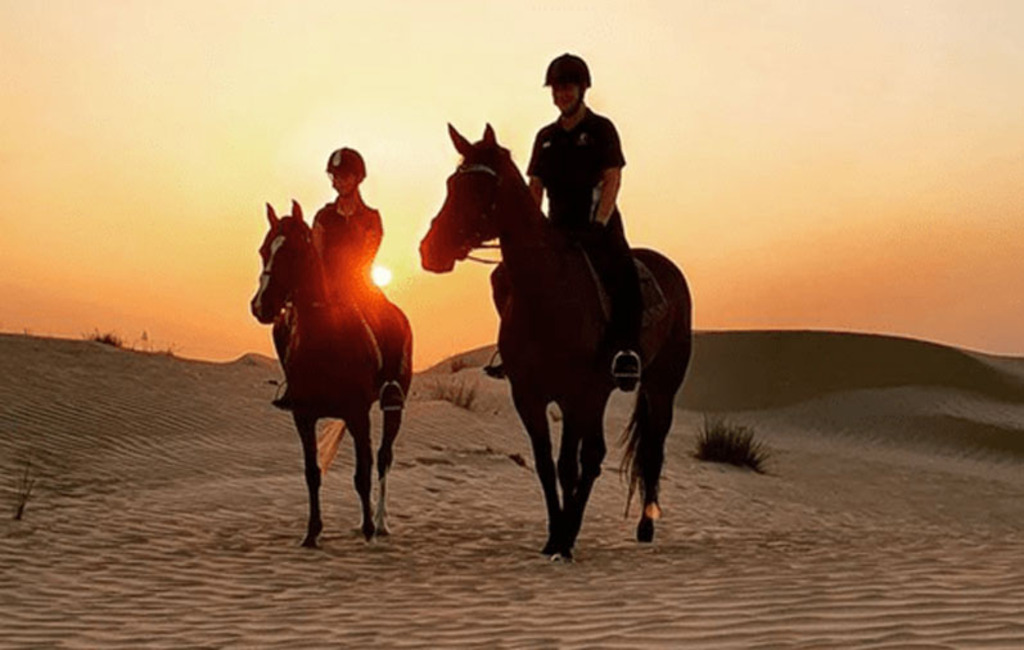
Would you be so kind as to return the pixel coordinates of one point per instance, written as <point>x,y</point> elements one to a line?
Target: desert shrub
<point>723,442</point>
<point>459,392</point>
<point>106,338</point>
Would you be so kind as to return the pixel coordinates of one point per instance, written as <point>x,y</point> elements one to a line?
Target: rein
<point>481,260</point>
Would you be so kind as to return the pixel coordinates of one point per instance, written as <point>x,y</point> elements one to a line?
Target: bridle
<point>267,273</point>
<point>486,215</point>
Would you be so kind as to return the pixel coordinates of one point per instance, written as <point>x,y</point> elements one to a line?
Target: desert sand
<point>169,505</point>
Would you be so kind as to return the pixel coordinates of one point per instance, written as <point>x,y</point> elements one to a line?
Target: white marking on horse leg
<point>382,508</point>
<point>652,511</point>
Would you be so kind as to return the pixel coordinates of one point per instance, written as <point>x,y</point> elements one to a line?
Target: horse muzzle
<point>432,260</point>
<point>259,310</point>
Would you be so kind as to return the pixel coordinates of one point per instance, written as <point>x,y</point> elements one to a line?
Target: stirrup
<point>392,397</point>
<point>495,369</point>
<point>626,369</point>
<point>284,400</point>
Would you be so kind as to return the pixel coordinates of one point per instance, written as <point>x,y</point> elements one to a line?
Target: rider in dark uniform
<point>347,234</point>
<point>578,161</point>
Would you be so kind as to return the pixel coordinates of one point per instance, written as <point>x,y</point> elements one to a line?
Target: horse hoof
<point>645,531</point>
<point>309,542</point>
<point>368,532</point>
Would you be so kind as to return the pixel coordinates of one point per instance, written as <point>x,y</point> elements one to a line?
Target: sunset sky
<point>825,165</point>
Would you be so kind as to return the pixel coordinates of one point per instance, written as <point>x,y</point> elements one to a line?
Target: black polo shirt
<point>570,165</point>
<point>350,243</point>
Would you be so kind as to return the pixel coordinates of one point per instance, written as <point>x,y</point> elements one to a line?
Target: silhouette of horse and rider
<point>581,313</point>
<point>341,343</point>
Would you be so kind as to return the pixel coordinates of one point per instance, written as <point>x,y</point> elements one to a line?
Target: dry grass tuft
<point>106,338</point>
<point>457,391</point>
<point>723,442</point>
<point>23,491</point>
<point>457,364</point>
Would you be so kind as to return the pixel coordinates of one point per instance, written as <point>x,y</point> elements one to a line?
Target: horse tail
<point>327,444</point>
<point>636,440</point>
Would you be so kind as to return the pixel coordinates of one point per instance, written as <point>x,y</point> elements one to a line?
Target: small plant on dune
<point>460,393</point>
<point>723,442</point>
<point>106,338</point>
<point>170,351</point>
<point>23,491</point>
<point>143,344</point>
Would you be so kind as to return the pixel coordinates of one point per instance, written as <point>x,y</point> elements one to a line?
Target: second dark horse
<point>331,360</point>
<point>552,326</point>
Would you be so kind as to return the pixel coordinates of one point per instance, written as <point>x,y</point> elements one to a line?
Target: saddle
<point>288,321</point>
<point>654,301</point>
<point>286,335</point>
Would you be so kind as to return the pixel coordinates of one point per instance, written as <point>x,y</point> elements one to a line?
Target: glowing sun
<point>381,276</point>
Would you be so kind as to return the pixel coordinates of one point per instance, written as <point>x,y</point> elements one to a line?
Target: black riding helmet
<point>346,161</point>
<point>568,69</point>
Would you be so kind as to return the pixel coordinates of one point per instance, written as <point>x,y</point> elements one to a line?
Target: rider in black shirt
<point>346,235</point>
<point>578,161</point>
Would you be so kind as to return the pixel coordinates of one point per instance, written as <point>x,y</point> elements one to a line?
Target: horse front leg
<point>392,422</point>
<point>592,453</point>
<point>306,427</point>
<point>360,427</point>
<point>533,412</point>
<point>568,480</point>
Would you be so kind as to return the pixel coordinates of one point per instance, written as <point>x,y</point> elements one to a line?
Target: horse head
<point>467,217</point>
<point>285,253</point>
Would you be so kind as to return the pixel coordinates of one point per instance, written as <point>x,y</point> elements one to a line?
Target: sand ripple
<point>170,505</point>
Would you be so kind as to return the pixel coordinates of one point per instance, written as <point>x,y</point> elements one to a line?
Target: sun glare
<point>381,276</point>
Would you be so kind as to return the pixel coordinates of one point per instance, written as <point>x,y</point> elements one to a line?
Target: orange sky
<point>841,165</point>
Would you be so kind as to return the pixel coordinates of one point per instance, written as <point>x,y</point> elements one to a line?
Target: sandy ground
<point>169,505</point>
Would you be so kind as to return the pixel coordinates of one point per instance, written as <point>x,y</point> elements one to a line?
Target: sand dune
<point>736,371</point>
<point>169,505</point>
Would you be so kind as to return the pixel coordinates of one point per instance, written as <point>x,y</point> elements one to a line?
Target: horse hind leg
<point>385,455</point>
<point>306,427</point>
<point>652,422</point>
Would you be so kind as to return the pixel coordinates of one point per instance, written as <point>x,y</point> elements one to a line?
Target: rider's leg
<point>388,333</point>
<point>614,263</point>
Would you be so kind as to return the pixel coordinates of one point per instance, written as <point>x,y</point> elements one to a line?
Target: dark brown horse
<point>552,324</point>
<point>332,362</point>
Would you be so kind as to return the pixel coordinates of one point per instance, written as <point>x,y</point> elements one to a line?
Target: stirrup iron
<point>626,369</point>
<point>495,368</point>
<point>395,396</point>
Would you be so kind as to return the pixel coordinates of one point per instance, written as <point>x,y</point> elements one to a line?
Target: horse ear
<point>272,216</point>
<point>461,144</point>
<point>296,210</point>
<point>489,137</point>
